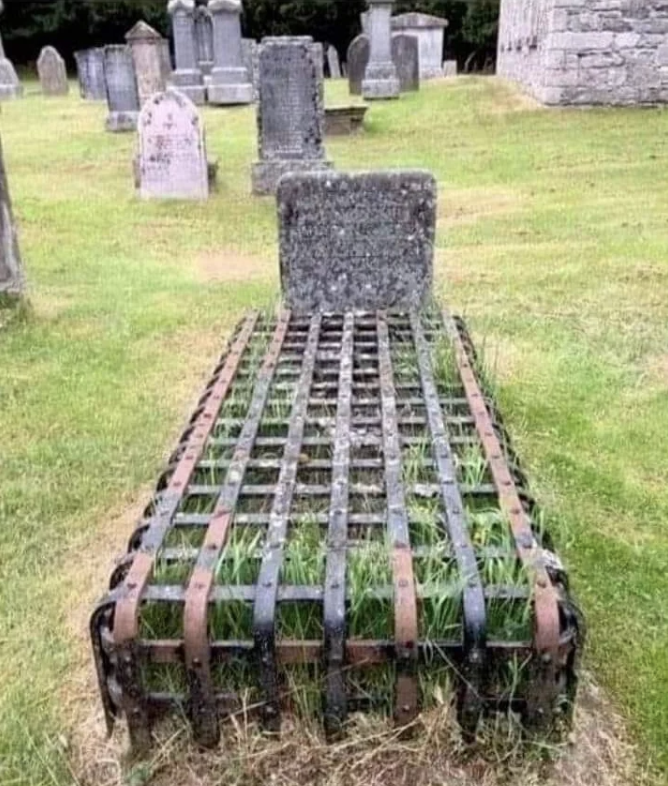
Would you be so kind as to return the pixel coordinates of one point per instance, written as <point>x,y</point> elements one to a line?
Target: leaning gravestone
<point>358,59</point>
<point>406,58</point>
<point>122,95</point>
<point>172,162</point>
<point>333,63</point>
<point>12,281</point>
<point>90,70</point>
<point>52,73</point>
<point>290,112</point>
<point>146,46</point>
<point>356,242</point>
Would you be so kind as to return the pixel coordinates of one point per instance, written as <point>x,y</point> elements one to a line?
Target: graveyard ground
<point>552,239</point>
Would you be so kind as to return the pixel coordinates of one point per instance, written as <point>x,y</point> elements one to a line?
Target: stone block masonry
<point>586,52</point>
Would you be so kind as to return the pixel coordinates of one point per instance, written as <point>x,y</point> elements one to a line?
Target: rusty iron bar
<point>264,614</point>
<point>405,600</point>
<point>474,668</point>
<point>334,606</point>
<point>546,600</point>
<point>203,711</point>
<point>126,615</point>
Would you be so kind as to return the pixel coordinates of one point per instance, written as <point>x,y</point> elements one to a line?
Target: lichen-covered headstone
<point>406,58</point>
<point>12,281</point>
<point>122,95</point>
<point>52,73</point>
<point>357,61</point>
<point>90,71</point>
<point>356,241</point>
<point>147,55</point>
<point>380,80</point>
<point>172,162</point>
<point>290,112</point>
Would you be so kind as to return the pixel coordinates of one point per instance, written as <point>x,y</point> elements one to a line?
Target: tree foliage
<point>28,25</point>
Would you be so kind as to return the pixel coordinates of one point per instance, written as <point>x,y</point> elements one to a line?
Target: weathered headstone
<point>230,79</point>
<point>90,70</point>
<point>172,162</point>
<point>52,73</point>
<point>406,58</point>
<point>450,68</point>
<point>165,60</point>
<point>10,87</point>
<point>251,56</point>
<point>122,95</point>
<point>333,62</point>
<point>429,31</point>
<point>380,80</point>
<point>12,281</point>
<point>356,242</point>
<point>203,38</point>
<point>358,59</point>
<point>187,78</point>
<point>147,55</point>
<point>290,112</point>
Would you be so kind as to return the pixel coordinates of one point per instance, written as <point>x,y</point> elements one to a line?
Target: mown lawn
<point>553,240</point>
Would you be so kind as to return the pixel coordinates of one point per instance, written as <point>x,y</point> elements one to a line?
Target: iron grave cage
<point>343,528</point>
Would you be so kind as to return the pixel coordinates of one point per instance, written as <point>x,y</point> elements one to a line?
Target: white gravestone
<point>172,162</point>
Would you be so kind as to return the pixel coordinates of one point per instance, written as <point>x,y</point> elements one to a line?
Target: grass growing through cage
<point>368,572</point>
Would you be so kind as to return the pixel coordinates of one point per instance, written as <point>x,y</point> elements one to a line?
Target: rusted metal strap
<point>266,596</point>
<point>196,636</point>
<point>473,672</point>
<point>405,601</point>
<point>126,615</point>
<point>337,539</point>
<point>546,601</point>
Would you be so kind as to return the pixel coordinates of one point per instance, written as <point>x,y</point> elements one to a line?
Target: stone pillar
<point>230,80</point>
<point>10,87</point>
<point>380,80</point>
<point>12,281</point>
<point>146,46</point>
<point>122,96</point>
<point>187,78</point>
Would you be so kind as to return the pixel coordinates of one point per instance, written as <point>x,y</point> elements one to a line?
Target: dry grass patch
<point>470,205</point>
<point>233,266</point>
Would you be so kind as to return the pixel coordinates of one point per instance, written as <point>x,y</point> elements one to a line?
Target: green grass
<point>552,239</point>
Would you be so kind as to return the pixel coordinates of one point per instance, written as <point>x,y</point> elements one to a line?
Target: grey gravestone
<point>172,162</point>
<point>187,78</point>
<point>52,73</point>
<point>230,79</point>
<point>165,60</point>
<point>203,38</point>
<point>430,32</point>
<point>380,80</point>
<point>365,22</point>
<point>90,70</point>
<point>356,242</point>
<point>358,59</point>
<point>333,63</point>
<point>10,87</point>
<point>290,112</point>
<point>450,68</point>
<point>147,55</point>
<point>12,282</point>
<point>406,57</point>
<point>122,95</point>
<point>251,53</point>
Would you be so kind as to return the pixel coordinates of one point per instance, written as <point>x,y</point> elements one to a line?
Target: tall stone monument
<point>357,242</point>
<point>90,70</point>
<point>10,87</point>
<point>12,281</point>
<point>430,33</point>
<point>52,73</point>
<point>381,80</point>
<point>172,161</point>
<point>230,80</point>
<point>147,55</point>
<point>204,38</point>
<point>122,95</point>
<point>290,112</point>
<point>187,78</point>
